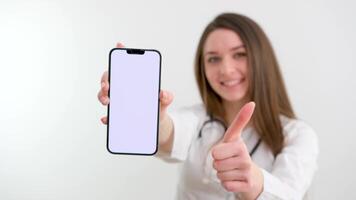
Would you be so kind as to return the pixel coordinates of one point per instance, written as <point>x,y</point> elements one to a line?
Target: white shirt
<point>286,176</point>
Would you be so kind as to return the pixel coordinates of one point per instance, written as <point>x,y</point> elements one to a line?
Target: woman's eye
<point>239,55</point>
<point>213,59</point>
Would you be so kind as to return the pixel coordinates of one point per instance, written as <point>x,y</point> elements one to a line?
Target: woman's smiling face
<point>225,63</point>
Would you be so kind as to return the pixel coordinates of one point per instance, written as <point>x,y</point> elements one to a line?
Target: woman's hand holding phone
<point>165,123</point>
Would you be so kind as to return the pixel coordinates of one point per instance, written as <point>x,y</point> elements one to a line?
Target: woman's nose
<point>227,67</point>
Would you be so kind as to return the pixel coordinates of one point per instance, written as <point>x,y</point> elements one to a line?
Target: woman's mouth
<point>232,83</point>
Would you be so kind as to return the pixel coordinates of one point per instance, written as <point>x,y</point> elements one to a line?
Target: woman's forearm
<point>166,133</point>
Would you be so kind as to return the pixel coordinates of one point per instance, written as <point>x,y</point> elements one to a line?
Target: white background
<point>52,55</point>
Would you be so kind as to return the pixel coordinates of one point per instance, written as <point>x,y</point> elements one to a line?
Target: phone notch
<point>135,51</point>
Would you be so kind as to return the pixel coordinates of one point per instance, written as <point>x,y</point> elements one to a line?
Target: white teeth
<point>231,83</point>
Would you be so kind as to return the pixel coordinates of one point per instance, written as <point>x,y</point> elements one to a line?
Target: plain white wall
<point>52,55</point>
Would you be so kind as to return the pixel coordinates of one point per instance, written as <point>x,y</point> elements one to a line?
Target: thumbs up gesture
<point>235,169</point>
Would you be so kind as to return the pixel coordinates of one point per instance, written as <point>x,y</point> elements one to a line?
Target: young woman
<point>245,141</point>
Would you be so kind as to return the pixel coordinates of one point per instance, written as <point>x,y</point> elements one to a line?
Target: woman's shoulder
<point>294,123</point>
<point>298,130</point>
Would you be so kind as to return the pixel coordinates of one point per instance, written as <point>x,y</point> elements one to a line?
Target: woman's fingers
<point>227,150</point>
<point>104,100</point>
<point>237,162</point>
<point>237,186</point>
<point>104,83</point>
<point>120,45</point>
<point>103,97</point>
<point>166,99</point>
<point>104,120</point>
<point>103,94</point>
<point>232,175</point>
<point>105,77</point>
<point>104,90</point>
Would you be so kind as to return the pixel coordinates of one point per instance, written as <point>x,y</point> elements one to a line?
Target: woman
<point>245,141</point>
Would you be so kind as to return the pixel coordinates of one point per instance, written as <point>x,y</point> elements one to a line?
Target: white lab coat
<point>286,176</point>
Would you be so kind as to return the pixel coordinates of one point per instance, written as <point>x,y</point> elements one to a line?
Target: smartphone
<point>133,111</point>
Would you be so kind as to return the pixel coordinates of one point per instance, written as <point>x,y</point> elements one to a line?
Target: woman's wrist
<point>166,133</point>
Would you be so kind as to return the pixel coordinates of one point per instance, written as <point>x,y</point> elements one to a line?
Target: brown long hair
<point>266,85</point>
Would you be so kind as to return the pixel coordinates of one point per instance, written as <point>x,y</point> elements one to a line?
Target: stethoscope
<point>220,122</point>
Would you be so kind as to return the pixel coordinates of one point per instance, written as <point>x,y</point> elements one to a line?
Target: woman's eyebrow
<point>237,47</point>
<point>232,49</point>
<point>210,52</point>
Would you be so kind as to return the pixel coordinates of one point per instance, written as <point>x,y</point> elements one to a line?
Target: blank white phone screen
<point>133,111</point>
